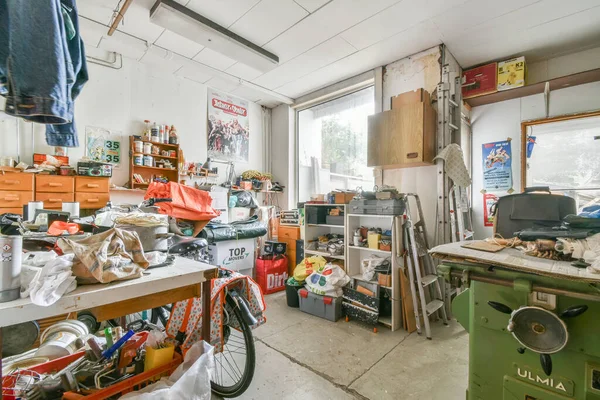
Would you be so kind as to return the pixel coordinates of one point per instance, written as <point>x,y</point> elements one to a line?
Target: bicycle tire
<point>242,385</point>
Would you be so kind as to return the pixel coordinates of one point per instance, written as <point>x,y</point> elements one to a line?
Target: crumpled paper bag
<point>106,257</point>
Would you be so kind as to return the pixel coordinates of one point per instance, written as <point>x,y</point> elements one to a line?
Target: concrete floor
<point>304,357</point>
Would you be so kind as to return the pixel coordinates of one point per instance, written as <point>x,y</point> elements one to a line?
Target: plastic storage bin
<point>321,306</point>
<point>291,295</point>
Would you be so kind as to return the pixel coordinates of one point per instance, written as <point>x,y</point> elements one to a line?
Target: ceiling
<point>320,42</point>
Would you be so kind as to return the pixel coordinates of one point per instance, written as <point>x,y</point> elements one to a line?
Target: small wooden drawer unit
<point>91,192</point>
<point>289,235</point>
<point>16,190</point>
<point>53,190</point>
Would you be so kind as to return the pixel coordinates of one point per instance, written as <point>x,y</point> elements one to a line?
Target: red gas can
<point>271,273</point>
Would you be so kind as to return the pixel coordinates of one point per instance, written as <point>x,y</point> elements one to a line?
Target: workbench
<point>157,287</point>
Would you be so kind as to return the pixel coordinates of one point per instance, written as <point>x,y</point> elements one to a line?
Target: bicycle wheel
<point>234,366</point>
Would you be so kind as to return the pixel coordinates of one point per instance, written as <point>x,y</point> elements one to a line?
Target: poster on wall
<point>497,166</point>
<point>489,200</point>
<point>103,145</point>
<point>228,127</point>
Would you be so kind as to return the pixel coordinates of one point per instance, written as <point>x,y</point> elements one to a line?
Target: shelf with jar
<point>154,156</point>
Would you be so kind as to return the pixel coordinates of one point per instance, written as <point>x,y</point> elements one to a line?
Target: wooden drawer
<point>54,184</point>
<point>291,243</point>
<point>54,201</point>
<point>15,199</point>
<point>16,181</point>
<point>91,184</point>
<point>92,200</point>
<point>288,232</point>
<point>12,210</point>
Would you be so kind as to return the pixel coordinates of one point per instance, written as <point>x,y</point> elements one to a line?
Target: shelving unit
<point>357,254</point>
<point>172,174</point>
<point>312,231</point>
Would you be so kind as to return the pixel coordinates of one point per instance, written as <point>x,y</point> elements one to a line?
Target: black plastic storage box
<point>335,220</point>
<point>316,215</point>
<point>377,207</point>
<point>291,295</point>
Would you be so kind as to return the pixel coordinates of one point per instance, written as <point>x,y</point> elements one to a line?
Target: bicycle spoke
<point>232,378</point>
<point>232,369</point>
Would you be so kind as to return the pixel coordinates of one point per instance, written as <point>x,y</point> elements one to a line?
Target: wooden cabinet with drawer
<point>91,192</point>
<point>16,190</point>
<point>53,190</point>
<point>289,235</point>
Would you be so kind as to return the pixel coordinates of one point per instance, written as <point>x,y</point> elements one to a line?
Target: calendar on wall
<point>103,145</point>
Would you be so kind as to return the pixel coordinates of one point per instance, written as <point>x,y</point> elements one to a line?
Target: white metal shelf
<point>372,216</point>
<point>325,226</point>
<point>323,254</point>
<point>388,252</point>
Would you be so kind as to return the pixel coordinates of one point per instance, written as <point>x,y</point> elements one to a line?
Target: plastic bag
<point>307,266</point>
<point>186,202</point>
<point>52,281</point>
<point>327,281</point>
<point>190,381</point>
<point>368,266</point>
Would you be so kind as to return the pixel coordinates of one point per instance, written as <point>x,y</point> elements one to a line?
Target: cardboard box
<point>414,96</point>
<point>479,81</point>
<point>238,214</point>
<point>511,73</point>
<point>232,254</point>
<point>344,197</point>
<point>219,203</point>
<point>92,168</point>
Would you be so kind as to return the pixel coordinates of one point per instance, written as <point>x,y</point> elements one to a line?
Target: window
<point>564,156</point>
<point>332,145</point>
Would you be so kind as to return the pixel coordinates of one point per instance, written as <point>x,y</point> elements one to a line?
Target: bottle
<point>147,130</point>
<point>161,133</point>
<point>154,133</point>
<point>173,139</point>
<point>166,135</point>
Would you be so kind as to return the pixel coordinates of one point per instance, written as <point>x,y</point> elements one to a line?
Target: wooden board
<point>408,311</point>
<point>483,246</point>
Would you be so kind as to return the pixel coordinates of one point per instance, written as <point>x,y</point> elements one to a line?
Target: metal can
<point>172,153</point>
<point>147,148</point>
<point>138,159</point>
<point>138,146</point>
<point>148,161</point>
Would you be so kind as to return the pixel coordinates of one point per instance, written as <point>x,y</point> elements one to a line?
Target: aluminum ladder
<point>461,226</point>
<point>427,285</point>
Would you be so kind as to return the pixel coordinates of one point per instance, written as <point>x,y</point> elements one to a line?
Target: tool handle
<point>108,353</point>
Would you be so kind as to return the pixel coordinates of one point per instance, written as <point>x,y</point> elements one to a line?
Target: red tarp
<point>188,202</point>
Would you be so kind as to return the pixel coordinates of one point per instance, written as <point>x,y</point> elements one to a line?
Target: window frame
<point>313,103</point>
<point>542,121</point>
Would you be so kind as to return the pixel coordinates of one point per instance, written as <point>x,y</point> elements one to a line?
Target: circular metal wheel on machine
<point>538,330</point>
<point>19,338</point>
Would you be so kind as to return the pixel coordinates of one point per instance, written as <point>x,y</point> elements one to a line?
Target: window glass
<point>332,145</point>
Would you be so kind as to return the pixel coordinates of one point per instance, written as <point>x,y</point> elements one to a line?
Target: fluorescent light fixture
<point>187,23</point>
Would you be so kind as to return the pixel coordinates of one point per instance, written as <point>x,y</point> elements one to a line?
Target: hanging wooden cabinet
<point>402,137</point>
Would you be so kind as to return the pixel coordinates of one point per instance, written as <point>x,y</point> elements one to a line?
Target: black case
<point>529,210</point>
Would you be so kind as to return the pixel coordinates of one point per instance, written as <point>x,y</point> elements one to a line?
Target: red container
<point>271,273</point>
<point>479,81</point>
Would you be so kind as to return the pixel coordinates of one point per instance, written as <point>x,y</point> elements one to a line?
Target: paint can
<point>138,146</point>
<point>138,159</point>
<point>11,248</point>
<point>62,339</point>
<point>148,161</point>
<point>72,207</point>
<point>147,148</point>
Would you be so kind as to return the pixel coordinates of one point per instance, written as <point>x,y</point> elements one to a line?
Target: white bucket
<point>11,248</point>
<point>62,339</point>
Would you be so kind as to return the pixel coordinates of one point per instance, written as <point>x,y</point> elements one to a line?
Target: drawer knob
<point>11,182</point>
<point>412,155</point>
<point>92,200</point>
<point>11,198</point>
<point>54,184</point>
<point>55,200</point>
<point>93,185</point>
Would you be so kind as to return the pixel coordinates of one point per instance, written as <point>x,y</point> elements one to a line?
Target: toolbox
<point>377,207</point>
<point>321,306</point>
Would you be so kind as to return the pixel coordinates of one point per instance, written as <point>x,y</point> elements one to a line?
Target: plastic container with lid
<point>148,148</point>
<point>138,146</point>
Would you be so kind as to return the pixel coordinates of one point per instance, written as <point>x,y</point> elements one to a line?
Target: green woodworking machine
<point>531,337</point>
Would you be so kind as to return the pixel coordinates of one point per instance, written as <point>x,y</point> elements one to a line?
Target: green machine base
<point>507,359</point>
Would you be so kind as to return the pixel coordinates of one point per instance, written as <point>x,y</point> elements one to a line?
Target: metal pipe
<point>534,287</point>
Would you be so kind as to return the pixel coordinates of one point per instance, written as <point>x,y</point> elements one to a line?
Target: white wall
<point>283,152</point>
<point>121,100</point>
<point>494,122</point>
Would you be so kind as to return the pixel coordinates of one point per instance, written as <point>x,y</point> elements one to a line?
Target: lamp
<point>230,175</point>
<point>179,19</point>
